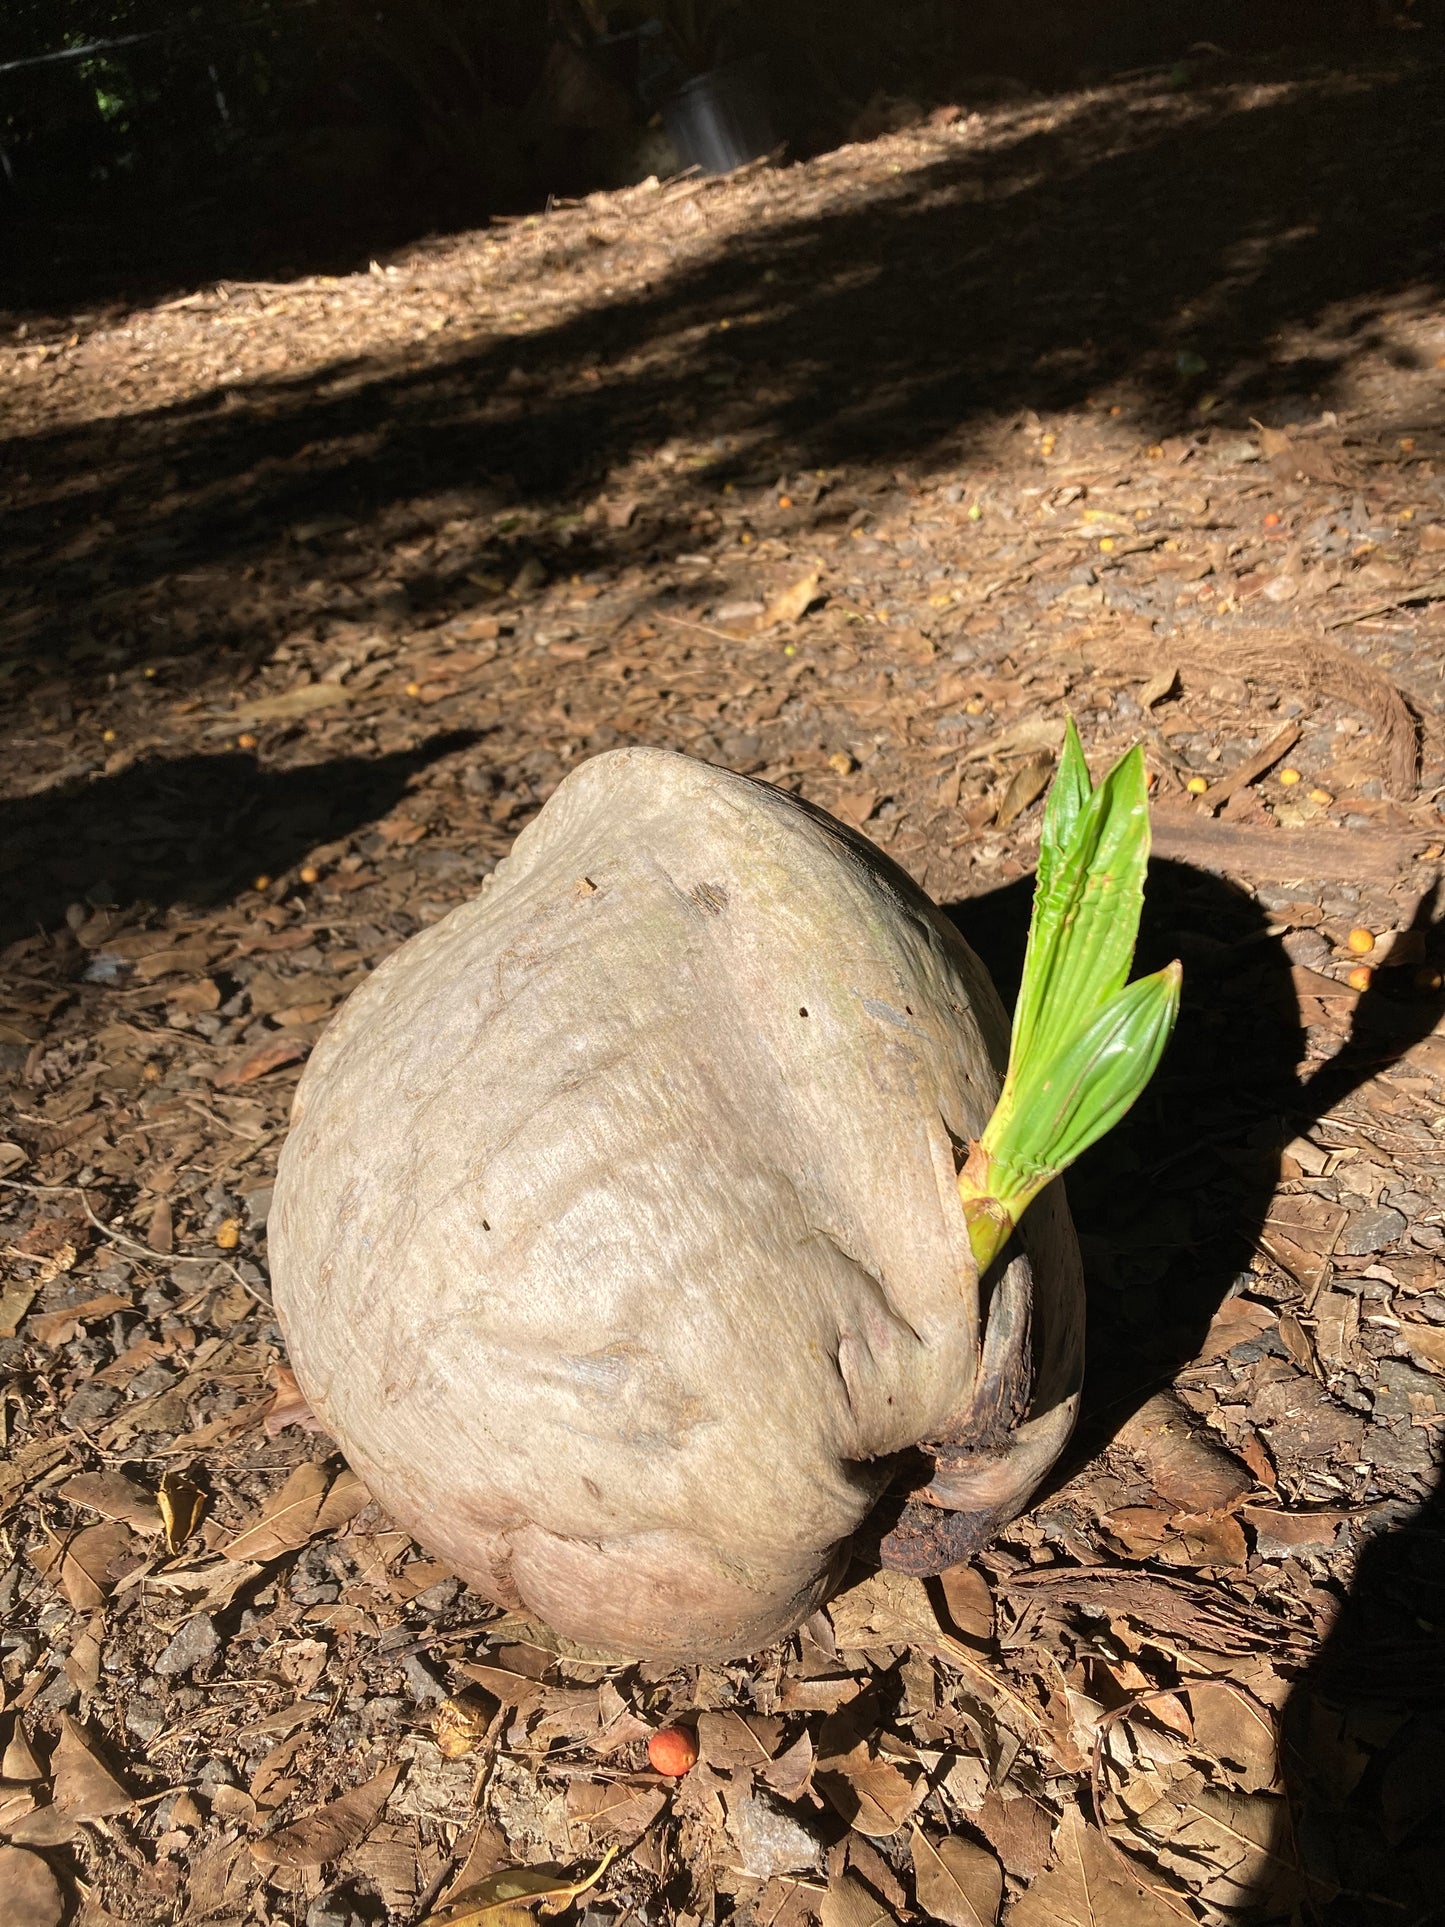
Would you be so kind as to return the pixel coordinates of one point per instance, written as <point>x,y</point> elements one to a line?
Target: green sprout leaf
<point>1085,1040</point>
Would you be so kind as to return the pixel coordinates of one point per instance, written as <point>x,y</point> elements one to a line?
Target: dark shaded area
<point>1364,1731</point>
<point>1029,274</point>
<point>186,830</point>
<point>1169,1208</point>
<point>276,137</point>
<point>1170,1205</point>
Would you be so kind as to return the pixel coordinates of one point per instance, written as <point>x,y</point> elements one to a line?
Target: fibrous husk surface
<point>617,1238</point>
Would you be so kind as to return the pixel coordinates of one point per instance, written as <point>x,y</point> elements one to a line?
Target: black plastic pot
<point>721,120</point>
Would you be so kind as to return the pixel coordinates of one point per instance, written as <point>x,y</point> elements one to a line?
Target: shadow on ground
<point>1260,232</point>
<point>1170,1208</point>
<point>188,830</point>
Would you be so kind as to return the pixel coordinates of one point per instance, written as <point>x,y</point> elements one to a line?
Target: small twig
<point>438,1639</point>
<point>682,622</point>
<point>139,1250</point>
<point>1254,766</point>
<point>74,1191</point>
<point>1427,592</point>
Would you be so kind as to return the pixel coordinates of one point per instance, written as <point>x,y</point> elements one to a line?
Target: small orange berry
<point>1360,940</point>
<point>1289,777</point>
<point>309,873</point>
<point>1196,786</point>
<point>261,882</point>
<point>1361,977</point>
<point>1271,521</point>
<point>1321,796</point>
<point>107,735</point>
<point>785,501</point>
<point>1428,981</point>
<point>413,689</point>
<point>672,1750</point>
<point>245,740</point>
<point>228,1235</point>
<point>1106,543</point>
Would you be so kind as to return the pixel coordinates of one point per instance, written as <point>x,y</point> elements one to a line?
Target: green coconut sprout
<point>1085,1040</point>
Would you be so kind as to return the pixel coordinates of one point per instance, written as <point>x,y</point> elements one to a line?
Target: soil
<point>857,476</point>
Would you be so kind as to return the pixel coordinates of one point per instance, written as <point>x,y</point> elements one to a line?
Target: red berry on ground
<point>672,1750</point>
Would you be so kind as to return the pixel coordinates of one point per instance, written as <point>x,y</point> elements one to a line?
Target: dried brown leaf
<point>15,1803</point>
<point>871,1795</point>
<point>29,1462</point>
<point>290,1406</point>
<point>856,806</point>
<point>82,1662</point>
<point>290,704</point>
<point>1236,1730</point>
<point>727,1740</point>
<point>848,1903</point>
<point>15,1301</point>
<point>501,1898</point>
<point>327,1833</point>
<point>1426,1344</point>
<point>18,1762</point>
<point>1088,1887</point>
<point>969,1599</point>
<point>265,1058</point>
<point>1206,1539</point>
<point>1036,732</point>
<point>614,1811</point>
<point>59,1327</point>
<point>30,1894</point>
<point>84,1564</point>
<point>1159,686</point>
<point>791,1774</point>
<point>958,1881</point>
<point>1026,785</point>
<point>160,1227</point>
<point>1241,1836</point>
<point>345,1497</point>
<point>210,1588</point>
<point>85,1788</point>
<point>792,603</point>
<point>1183,1464</point>
<point>288,1520</point>
<point>180,1502</point>
<point>511,1689</point>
